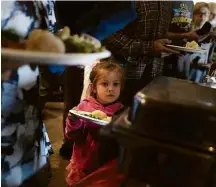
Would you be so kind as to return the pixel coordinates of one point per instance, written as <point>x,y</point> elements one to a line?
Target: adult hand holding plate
<point>160,47</point>
<point>191,47</point>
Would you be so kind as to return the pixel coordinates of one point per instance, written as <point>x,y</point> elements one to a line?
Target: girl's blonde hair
<point>106,65</point>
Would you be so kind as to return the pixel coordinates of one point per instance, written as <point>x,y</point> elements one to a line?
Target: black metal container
<point>168,137</point>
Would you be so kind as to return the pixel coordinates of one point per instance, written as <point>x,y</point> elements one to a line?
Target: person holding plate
<point>24,141</point>
<point>89,150</point>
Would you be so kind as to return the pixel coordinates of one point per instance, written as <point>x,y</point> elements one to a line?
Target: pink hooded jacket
<point>85,154</point>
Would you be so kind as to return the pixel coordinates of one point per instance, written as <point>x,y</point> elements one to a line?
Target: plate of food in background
<point>97,116</point>
<point>44,47</point>
<point>190,47</point>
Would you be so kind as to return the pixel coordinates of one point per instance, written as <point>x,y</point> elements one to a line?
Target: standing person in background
<point>199,63</point>
<point>201,15</point>
<point>179,32</point>
<point>24,142</point>
<point>138,47</point>
<point>212,52</point>
<point>212,18</point>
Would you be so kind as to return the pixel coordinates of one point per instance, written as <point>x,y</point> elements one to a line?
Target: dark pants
<point>49,82</point>
<point>173,67</point>
<point>132,86</point>
<point>73,86</point>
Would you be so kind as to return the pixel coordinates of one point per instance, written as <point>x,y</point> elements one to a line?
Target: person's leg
<point>175,60</point>
<point>180,64</point>
<point>199,75</point>
<point>44,88</point>
<point>168,66</point>
<point>187,65</point>
<point>72,89</point>
<point>130,89</point>
<point>73,86</point>
<point>132,86</point>
<point>192,74</point>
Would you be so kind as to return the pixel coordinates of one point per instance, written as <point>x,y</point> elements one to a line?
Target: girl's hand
<point>72,117</point>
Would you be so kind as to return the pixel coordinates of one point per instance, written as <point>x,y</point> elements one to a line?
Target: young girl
<point>106,82</point>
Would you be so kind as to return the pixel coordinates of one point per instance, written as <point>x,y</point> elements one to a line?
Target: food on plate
<point>192,45</point>
<point>108,119</point>
<point>98,114</point>
<point>43,40</point>
<point>79,44</point>
<point>64,33</point>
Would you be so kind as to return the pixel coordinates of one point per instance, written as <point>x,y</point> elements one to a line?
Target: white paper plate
<point>71,59</point>
<point>189,50</point>
<point>80,114</point>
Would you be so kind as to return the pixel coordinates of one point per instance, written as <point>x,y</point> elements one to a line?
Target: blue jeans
<point>196,75</point>
<point>184,64</point>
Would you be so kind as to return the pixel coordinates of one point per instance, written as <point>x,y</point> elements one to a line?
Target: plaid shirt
<point>133,44</point>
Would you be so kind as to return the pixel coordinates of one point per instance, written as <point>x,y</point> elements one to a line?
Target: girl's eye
<point>105,84</point>
<point>116,84</point>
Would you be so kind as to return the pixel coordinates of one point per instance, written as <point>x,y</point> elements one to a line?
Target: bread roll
<point>40,40</point>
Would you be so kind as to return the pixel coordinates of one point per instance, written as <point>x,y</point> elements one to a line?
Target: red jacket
<point>85,150</point>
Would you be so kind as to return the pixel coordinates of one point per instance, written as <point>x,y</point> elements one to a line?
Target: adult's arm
<point>126,46</point>
<point>188,35</point>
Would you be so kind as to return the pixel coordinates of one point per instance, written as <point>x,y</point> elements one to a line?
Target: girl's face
<point>108,87</point>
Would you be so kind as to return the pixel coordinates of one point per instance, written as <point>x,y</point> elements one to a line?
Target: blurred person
<point>201,15</point>
<point>200,63</point>
<point>212,18</point>
<point>25,146</point>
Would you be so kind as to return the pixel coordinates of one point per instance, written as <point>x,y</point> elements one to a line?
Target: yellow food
<point>108,119</point>
<point>64,33</point>
<point>192,45</point>
<point>99,114</point>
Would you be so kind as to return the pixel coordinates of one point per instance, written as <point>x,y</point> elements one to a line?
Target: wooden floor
<point>53,117</point>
